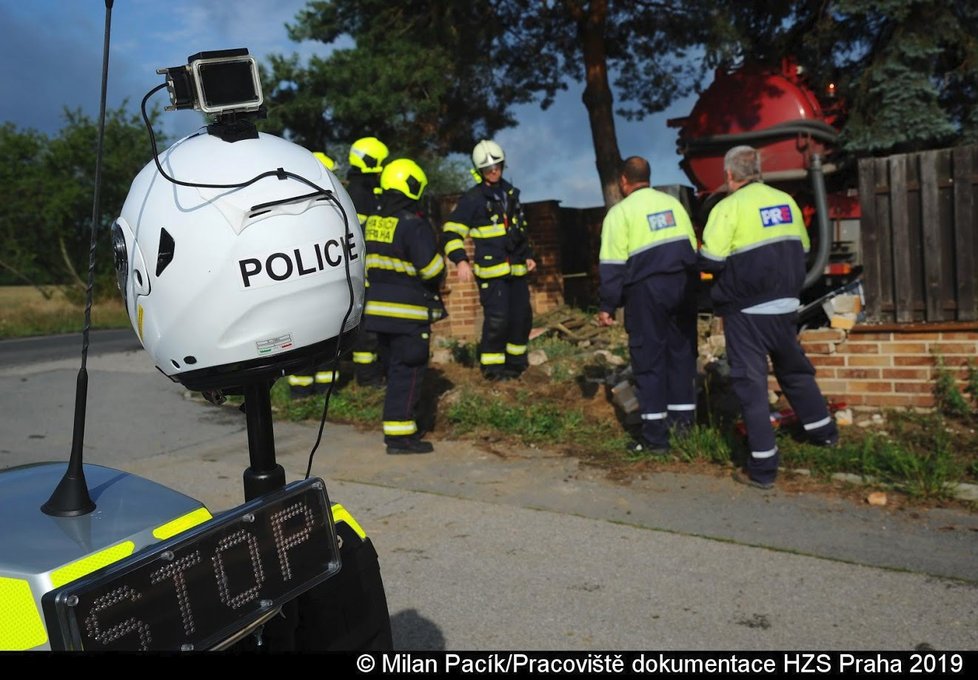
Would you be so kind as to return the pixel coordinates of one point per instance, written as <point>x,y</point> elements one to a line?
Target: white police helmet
<point>487,153</point>
<point>225,286</point>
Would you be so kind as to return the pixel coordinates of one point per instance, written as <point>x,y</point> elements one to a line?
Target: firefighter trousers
<point>660,317</point>
<point>318,382</point>
<point>750,339</point>
<point>368,364</point>
<point>506,325</point>
<point>407,360</point>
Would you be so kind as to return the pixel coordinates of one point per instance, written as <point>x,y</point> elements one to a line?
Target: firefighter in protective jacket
<point>491,215</point>
<point>367,156</point>
<point>405,269</point>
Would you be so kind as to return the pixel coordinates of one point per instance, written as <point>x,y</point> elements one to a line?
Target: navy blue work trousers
<point>660,317</point>
<point>407,360</point>
<point>507,318</point>
<point>751,339</point>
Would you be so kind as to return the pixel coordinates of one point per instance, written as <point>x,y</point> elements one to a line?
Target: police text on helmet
<point>303,261</point>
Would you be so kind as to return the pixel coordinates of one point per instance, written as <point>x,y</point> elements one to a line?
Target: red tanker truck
<point>774,110</point>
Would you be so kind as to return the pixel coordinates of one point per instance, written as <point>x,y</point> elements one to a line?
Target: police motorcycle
<point>239,258</point>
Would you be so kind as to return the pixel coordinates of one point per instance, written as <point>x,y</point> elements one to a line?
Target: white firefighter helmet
<point>224,286</point>
<point>487,153</point>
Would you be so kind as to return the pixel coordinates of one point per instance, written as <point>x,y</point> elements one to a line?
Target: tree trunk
<point>598,98</point>
<point>76,280</point>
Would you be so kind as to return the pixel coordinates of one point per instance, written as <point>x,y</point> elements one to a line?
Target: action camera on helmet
<point>215,83</point>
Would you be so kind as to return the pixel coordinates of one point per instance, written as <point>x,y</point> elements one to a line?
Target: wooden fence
<point>918,232</point>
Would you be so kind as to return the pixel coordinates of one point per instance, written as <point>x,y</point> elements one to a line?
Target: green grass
<point>351,403</point>
<point>702,443</point>
<point>24,312</point>
<point>947,396</point>
<point>532,422</point>
<point>923,455</point>
<point>915,454</point>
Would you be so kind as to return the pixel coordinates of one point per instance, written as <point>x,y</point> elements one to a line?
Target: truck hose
<point>814,128</point>
<point>822,215</point>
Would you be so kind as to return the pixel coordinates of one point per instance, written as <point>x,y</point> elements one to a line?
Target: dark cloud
<point>52,61</point>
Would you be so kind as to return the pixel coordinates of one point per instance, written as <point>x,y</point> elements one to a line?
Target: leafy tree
<point>913,86</point>
<point>907,70</point>
<point>446,176</point>
<point>420,77</point>
<point>22,180</point>
<point>48,185</point>
<point>434,76</point>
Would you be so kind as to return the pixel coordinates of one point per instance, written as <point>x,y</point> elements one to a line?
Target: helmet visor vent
<point>165,253</point>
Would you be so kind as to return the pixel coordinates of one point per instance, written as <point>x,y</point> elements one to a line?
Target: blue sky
<point>51,55</point>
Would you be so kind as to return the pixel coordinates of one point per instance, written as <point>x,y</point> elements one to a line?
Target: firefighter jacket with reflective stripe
<point>404,272</point>
<point>648,232</point>
<point>364,189</point>
<point>492,216</point>
<point>755,243</point>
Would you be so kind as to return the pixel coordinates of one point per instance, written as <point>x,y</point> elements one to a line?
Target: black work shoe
<point>409,445</point>
<point>743,478</point>
<point>498,376</point>
<point>640,447</point>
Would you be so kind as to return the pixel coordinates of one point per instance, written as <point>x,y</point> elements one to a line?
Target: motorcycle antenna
<point>71,497</point>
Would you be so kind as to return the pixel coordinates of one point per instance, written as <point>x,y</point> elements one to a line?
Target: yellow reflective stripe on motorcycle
<point>341,514</point>
<point>300,380</point>
<point>86,565</point>
<point>364,357</point>
<point>518,270</point>
<point>375,261</point>
<point>492,272</point>
<point>456,228</point>
<point>493,359</point>
<point>181,524</point>
<point>433,268</point>
<point>393,428</point>
<point>327,377</point>
<point>396,310</point>
<point>453,245</point>
<point>515,349</point>
<point>21,626</point>
<point>488,231</point>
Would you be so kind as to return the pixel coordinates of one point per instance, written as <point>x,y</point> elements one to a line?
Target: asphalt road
<point>528,549</point>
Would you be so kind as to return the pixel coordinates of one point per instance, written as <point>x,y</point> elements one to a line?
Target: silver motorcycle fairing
<point>39,553</point>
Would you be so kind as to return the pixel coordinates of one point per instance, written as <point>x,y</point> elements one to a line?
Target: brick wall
<point>886,366</point>
<point>464,320</point>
